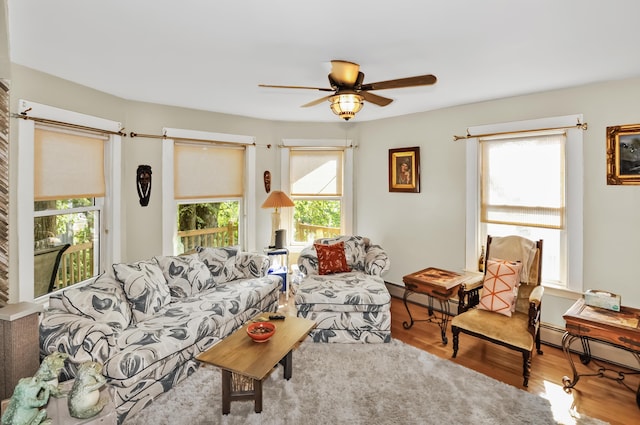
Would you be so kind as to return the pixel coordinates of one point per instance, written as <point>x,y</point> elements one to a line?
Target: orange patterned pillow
<point>331,258</point>
<point>500,287</point>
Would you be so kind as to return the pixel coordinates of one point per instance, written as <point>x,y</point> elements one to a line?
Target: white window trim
<point>170,205</point>
<point>110,220</point>
<point>348,205</point>
<point>574,191</point>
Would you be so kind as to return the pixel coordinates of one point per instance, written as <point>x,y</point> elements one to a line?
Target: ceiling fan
<point>346,81</point>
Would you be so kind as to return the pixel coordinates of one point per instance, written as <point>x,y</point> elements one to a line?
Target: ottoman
<point>351,307</point>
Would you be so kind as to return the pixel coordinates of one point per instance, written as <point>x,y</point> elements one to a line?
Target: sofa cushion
<point>102,300</point>
<point>144,286</point>
<point>354,291</point>
<point>176,326</point>
<point>500,286</point>
<point>185,274</point>
<point>221,262</point>
<point>331,258</point>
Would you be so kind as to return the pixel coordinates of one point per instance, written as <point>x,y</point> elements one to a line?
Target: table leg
<point>257,389</point>
<point>568,383</point>
<point>444,321</point>
<point>287,365</point>
<point>226,392</point>
<point>407,325</point>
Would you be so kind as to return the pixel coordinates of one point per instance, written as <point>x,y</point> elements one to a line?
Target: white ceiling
<point>211,55</point>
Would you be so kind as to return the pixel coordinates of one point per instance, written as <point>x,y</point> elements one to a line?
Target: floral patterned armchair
<point>349,303</point>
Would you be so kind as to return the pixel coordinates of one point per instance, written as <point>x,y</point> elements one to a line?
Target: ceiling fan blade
<point>294,87</point>
<point>316,102</point>
<point>344,73</point>
<point>375,99</point>
<point>420,80</point>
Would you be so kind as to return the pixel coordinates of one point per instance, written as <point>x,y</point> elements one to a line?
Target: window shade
<point>316,173</point>
<point>523,180</point>
<point>68,165</point>
<point>203,170</point>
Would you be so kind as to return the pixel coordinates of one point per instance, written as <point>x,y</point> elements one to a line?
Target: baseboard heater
<point>550,334</point>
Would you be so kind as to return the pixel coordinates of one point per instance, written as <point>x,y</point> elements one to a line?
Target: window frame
<point>347,202</point>
<point>247,207</point>
<point>574,190</point>
<point>110,218</point>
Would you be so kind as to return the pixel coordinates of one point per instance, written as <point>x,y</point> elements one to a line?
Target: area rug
<point>392,383</point>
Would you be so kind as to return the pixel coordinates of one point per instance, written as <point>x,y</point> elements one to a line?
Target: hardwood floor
<point>599,398</point>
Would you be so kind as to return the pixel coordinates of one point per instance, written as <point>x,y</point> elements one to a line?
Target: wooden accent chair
<point>520,331</point>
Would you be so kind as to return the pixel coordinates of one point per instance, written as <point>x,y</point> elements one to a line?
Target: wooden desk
<point>619,329</point>
<point>437,284</point>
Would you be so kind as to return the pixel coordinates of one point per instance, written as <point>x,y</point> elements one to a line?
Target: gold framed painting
<point>623,154</point>
<point>404,170</point>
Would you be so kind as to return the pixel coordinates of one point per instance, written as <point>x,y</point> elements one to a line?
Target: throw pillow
<point>144,286</point>
<point>354,249</point>
<point>186,275</point>
<point>221,262</point>
<point>101,300</point>
<point>500,286</point>
<point>331,258</point>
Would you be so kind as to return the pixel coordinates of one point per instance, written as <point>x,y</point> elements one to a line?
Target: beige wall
<point>418,230</point>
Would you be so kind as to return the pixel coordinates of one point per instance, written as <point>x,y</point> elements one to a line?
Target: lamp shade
<point>346,105</point>
<point>277,199</point>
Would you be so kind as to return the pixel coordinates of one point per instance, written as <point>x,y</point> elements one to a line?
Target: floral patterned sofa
<point>350,303</point>
<point>146,321</point>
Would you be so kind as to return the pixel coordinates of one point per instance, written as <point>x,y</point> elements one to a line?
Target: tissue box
<point>603,299</point>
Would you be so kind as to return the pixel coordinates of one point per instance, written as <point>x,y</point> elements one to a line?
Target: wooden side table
<point>438,284</point>
<point>619,329</point>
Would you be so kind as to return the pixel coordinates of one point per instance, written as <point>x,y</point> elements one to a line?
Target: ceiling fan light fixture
<point>346,105</point>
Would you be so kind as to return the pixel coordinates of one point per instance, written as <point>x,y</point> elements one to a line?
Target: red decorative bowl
<point>261,331</point>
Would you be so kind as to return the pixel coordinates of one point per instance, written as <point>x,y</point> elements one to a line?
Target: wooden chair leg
<point>526,367</point>
<point>538,343</point>
<point>455,331</point>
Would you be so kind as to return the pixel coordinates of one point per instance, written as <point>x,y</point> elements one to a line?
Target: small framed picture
<point>623,154</point>
<point>404,170</point>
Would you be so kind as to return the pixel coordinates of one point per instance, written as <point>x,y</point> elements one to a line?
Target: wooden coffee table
<point>245,363</point>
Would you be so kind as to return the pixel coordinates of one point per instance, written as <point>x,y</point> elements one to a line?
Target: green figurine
<point>49,372</point>
<point>24,407</point>
<point>84,399</point>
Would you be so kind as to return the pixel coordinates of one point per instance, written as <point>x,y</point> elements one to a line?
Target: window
<point>207,224</point>
<point>68,196</point>
<point>522,193</point>
<point>67,206</point>
<point>208,202</point>
<point>318,176</point>
<point>529,184</point>
<point>206,197</point>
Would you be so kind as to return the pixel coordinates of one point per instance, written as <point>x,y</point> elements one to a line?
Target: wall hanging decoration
<point>623,154</point>
<point>267,181</point>
<point>404,170</point>
<point>143,184</point>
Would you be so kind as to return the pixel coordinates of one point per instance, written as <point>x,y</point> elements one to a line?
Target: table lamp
<point>276,199</point>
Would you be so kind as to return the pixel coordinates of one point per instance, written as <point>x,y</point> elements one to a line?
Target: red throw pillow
<point>331,258</point>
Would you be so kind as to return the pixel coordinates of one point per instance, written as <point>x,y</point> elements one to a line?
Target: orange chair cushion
<point>500,286</point>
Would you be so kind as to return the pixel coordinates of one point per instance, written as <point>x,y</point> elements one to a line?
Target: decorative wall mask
<point>143,184</point>
<point>267,181</point>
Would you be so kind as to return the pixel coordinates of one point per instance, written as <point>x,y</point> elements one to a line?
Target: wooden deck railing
<point>307,232</point>
<point>218,236</point>
<point>76,265</point>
